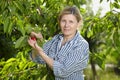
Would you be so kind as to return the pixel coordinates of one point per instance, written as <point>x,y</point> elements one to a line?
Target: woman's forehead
<point>69,17</point>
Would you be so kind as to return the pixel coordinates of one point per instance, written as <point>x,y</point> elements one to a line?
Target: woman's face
<point>68,24</point>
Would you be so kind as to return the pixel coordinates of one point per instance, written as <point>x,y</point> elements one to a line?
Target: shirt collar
<point>73,39</point>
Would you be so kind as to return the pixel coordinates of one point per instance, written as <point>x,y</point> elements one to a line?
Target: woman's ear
<point>80,23</point>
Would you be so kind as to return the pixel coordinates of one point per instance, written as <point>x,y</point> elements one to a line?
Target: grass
<point>107,74</point>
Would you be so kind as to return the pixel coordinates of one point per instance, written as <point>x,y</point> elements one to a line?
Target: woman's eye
<point>71,21</point>
<point>62,20</point>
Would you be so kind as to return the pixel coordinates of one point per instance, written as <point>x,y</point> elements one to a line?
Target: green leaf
<point>31,64</point>
<point>6,25</point>
<point>21,65</point>
<point>116,5</point>
<point>10,28</point>
<point>90,33</point>
<point>2,63</point>
<point>21,27</point>
<point>12,9</point>
<point>10,60</point>
<point>19,42</point>
<point>116,38</point>
<point>19,5</point>
<point>3,5</point>
<point>6,67</point>
<point>23,58</point>
<point>111,5</point>
<point>37,2</point>
<point>100,61</point>
<point>28,28</point>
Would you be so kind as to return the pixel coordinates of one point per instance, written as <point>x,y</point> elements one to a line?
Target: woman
<point>67,53</point>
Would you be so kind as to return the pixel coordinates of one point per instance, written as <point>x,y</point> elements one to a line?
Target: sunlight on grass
<point>108,74</point>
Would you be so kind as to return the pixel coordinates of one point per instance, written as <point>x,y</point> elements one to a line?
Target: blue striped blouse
<point>69,59</point>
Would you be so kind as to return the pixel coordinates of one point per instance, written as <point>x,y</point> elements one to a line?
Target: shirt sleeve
<point>76,60</point>
<point>37,59</point>
<point>46,48</point>
<point>48,45</point>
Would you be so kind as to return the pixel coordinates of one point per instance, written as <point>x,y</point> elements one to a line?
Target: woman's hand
<point>33,43</point>
<point>39,51</point>
<point>37,35</point>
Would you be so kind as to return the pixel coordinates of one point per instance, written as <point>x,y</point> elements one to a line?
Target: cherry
<point>33,38</point>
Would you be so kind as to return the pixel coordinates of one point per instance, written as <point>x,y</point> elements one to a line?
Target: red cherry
<point>33,38</point>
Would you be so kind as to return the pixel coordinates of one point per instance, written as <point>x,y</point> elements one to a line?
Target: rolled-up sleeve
<point>37,59</point>
<point>46,48</point>
<point>76,60</point>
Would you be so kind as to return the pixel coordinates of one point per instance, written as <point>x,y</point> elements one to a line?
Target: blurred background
<point>101,28</point>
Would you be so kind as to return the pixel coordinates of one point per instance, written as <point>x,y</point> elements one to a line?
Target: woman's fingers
<point>31,42</point>
<point>40,36</point>
<point>33,34</point>
<point>37,35</point>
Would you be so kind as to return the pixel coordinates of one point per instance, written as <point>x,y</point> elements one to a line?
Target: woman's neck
<point>68,37</point>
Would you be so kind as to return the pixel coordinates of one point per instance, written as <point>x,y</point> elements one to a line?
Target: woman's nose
<point>66,24</point>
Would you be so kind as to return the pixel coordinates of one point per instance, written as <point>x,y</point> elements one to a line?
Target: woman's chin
<point>66,34</point>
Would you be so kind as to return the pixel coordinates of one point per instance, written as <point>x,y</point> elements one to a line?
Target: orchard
<point>18,18</point>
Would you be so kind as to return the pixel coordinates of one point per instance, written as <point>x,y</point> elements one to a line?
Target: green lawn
<point>108,74</point>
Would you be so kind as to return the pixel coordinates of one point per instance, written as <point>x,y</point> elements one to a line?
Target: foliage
<point>97,28</point>
<point>21,68</point>
<point>8,48</point>
<point>19,17</point>
<point>102,33</point>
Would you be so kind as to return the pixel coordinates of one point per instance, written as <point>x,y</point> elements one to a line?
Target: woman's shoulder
<point>81,41</point>
<point>53,39</point>
<point>57,36</point>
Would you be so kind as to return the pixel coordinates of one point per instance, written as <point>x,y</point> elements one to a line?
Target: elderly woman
<point>67,53</point>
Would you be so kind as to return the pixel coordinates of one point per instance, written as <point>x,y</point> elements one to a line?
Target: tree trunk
<point>95,77</point>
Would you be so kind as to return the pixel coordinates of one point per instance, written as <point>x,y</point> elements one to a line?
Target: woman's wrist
<point>38,48</point>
